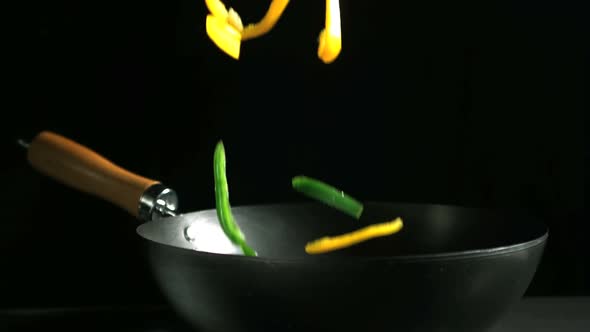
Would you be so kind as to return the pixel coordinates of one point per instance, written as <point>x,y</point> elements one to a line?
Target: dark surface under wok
<point>544,314</point>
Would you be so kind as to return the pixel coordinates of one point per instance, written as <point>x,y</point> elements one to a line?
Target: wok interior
<point>281,231</point>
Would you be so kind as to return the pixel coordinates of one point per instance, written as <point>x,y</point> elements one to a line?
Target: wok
<point>450,269</point>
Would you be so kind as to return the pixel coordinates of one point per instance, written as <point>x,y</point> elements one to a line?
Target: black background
<point>476,103</point>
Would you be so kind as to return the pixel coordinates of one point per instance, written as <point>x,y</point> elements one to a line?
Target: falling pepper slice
<point>330,40</point>
<point>224,28</point>
<point>273,14</point>
<point>222,204</point>
<point>216,8</point>
<point>328,195</point>
<point>226,37</point>
<point>327,244</point>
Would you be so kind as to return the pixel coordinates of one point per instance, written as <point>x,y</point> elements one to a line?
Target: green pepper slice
<point>328,195</point>
<point>222,204</point>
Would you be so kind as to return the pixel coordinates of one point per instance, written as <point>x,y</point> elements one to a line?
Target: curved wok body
<point>452,270</point>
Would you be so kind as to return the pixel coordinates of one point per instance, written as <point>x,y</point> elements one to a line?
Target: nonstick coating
<point>449,269</point>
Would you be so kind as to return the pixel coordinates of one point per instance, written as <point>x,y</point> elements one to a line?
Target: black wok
<point>449,269</point>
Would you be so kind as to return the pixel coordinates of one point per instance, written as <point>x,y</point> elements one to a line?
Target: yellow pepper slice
<point>327,244</point>
<point>216,8</point>
<point>330,40</point>
<point>224,35</point>
<point>224,28</point>
<point>273,14</point>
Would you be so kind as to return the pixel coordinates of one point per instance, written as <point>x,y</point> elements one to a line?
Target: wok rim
<point>539,240</point>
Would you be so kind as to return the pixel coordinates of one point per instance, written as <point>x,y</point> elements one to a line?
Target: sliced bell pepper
<point>330,40</point>
<point>225,36</point>
<point>224,28</point>
<point>327,244</point>
<point>222,204</point>
<point>273,14</point>
<point>327,194</point>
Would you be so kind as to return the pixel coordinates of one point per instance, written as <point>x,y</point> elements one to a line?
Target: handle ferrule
<point>157,201</point>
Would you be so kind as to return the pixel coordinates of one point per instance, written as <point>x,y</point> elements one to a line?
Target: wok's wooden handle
<point>81,168</point>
